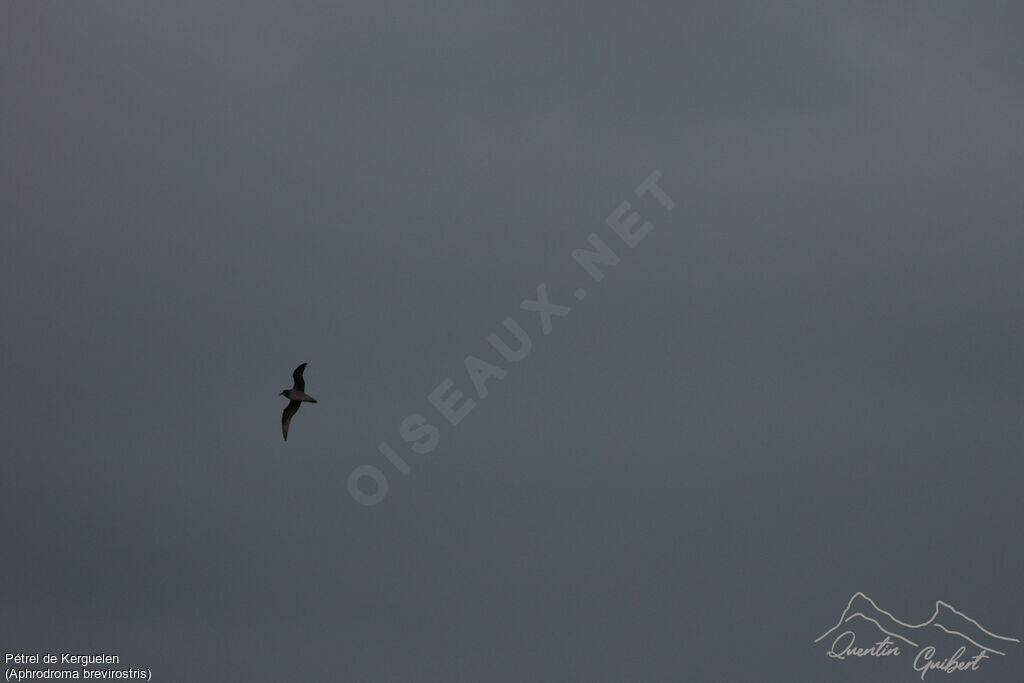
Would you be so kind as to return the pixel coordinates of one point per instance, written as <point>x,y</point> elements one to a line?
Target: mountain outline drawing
<point>945,617</point>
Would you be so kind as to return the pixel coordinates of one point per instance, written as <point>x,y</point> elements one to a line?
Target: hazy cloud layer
<point>804,382</point>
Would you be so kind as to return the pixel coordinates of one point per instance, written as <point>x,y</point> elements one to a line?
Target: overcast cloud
<point>805,381</point>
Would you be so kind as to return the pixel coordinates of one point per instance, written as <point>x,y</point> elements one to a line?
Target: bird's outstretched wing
<point>286,416</point>
<point>300,383</point>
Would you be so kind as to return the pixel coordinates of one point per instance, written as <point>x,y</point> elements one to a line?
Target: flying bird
<point>296,396</point>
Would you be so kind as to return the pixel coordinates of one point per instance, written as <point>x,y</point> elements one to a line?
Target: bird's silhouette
<point>296,396</point>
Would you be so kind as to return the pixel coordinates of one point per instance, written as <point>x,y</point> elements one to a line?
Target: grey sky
<point>805,382</point>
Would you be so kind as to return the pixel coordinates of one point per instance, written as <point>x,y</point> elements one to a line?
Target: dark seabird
<point>296,396</point>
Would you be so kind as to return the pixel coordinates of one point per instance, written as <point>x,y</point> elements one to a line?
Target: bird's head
<point>284,392</point>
